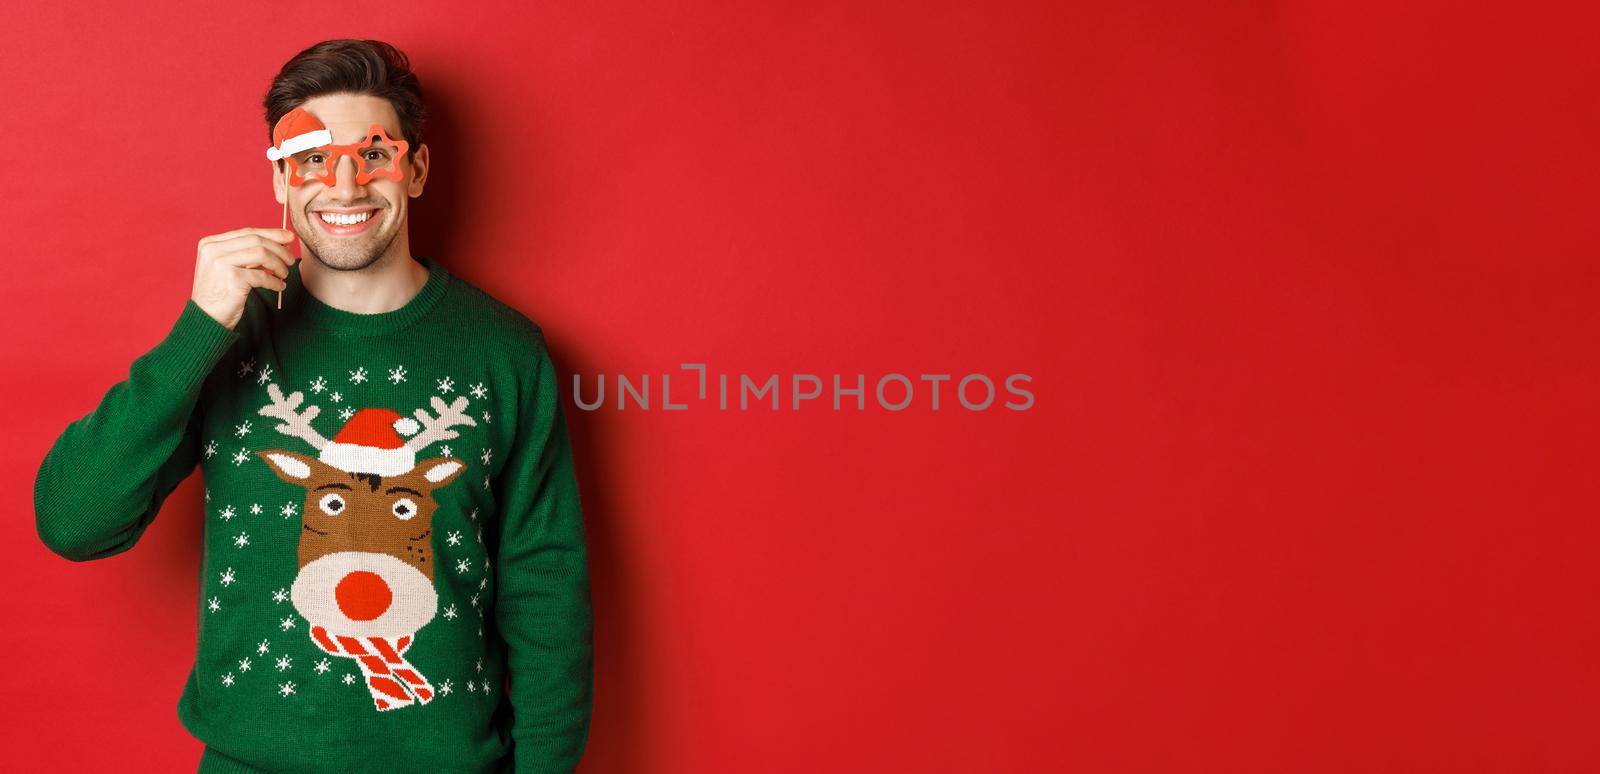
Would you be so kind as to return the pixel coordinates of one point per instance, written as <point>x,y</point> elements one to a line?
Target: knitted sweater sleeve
<point>543,604</point>
<point>104,479</point>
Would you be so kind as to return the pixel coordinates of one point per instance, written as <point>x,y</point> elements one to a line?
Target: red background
<point>1306,294</point>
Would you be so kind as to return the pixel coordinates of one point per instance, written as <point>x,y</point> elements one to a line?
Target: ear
<point>293,467</point>
<point>419,171</point>
<point>440,470</point>
<point>280,180</point>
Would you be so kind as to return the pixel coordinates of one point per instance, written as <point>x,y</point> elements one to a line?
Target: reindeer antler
<point>296,424</point>
<point>438,429</point>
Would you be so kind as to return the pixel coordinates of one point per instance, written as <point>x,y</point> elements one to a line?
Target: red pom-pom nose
<point>362,595</point>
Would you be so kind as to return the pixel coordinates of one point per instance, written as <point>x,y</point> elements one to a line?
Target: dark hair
<point>370,67</point>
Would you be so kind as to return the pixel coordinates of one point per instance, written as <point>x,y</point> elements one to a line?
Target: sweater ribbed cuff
<point>190,350</point>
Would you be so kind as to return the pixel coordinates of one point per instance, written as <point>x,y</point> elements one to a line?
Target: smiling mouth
<point>346,223</point>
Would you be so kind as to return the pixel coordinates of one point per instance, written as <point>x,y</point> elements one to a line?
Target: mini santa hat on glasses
<point>298,130</point>
<point>370,443</point>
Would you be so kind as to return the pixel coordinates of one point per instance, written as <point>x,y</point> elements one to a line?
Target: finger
<point>245,241</point>
<point>277,234</point>
<point>262,279</point>
<point>258,257</point>
<point>246,260</point>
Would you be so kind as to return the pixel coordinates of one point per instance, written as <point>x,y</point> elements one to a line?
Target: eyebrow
<point>394,489</point>
<point>332,486</point>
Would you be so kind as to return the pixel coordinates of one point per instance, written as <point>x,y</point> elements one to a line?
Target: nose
<point>362,595</point>
<point>344,183</point>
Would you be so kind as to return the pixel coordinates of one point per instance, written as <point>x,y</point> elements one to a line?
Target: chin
<point>356,263</point>
<point>347,257</point>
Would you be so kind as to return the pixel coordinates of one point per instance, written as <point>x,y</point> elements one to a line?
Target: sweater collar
<point>313,312</point>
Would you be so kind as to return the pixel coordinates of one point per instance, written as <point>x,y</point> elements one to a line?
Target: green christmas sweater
<point>394,574</point>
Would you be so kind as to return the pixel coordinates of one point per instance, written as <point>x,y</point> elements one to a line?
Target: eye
<point>315,158</point>
<point>379,157</point>
<point>331,504</point>
<point>403,508</point>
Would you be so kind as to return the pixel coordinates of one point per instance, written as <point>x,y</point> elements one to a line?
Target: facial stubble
<point>343,253</point>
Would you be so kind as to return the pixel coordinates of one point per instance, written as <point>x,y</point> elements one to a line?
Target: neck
<point>384,286</point>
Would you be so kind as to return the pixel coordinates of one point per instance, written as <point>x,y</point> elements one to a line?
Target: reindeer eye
<point>403,508</point>
<point>331,504</point>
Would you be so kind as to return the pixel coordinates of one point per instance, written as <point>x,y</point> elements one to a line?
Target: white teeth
<point>345,220</point>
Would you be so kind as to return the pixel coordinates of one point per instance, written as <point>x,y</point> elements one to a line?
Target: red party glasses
<point>377,155</point>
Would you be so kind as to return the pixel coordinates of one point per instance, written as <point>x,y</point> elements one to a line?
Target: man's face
<point>381,201</point>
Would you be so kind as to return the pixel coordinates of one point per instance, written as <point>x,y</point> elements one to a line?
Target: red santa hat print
<point>371,442</point>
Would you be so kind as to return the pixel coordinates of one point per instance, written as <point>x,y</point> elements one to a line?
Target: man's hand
<point>228,265</point>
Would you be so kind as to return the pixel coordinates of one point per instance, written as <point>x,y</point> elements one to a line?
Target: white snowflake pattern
<point>473,515</point>
<point>211,449</point>
<point>445,688</point>
<point>359,375</point>
<point>227,577</point>
<point>265,375</point>
<point>486,417</point>
<point>336,396</point>
<point>472,687</point>
<point>246,367</point>
<point>287,623</point>
<point>486,456</point>
<point>244,664</point>
<point>450,612</point>
<point>323,666</point>
<point>261,649</point>
<point>480,665</point>
<point>397,374</point>
<point>473,599</point>
<point>446,384</point>
<point>280,595</point>
<point>462,565</point>
<point>241,540</point>
<point>445,450</point>
<point>207,491</point>
<point>227,680</point>
<point>485,687</point>
<point>213,604</point>
<point>478,391</point>
<point>284,662</point>
<point>255,509</point>
<point>483,583</point>
<point>480,535</point>
<point>485,482</point>
<point>227,513</point>
<point>486,564</point>
<point>318,385</point>
<point>349,679</point>
<point>289,509</point>
<point>454,538</point>
<point>240,456</point>
<point>243,429</point>
<point>286,689</point>
<point>346,412</point>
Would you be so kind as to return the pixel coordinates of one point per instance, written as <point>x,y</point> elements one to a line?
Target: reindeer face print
<point>365,553</point>
<point>368,512</point>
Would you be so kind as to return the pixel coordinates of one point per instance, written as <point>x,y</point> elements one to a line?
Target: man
<point>394,570</point>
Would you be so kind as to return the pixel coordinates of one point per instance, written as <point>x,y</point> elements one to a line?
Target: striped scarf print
<point>391,679</point>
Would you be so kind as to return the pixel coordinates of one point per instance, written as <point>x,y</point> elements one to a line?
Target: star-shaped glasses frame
<point>322,162</point>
